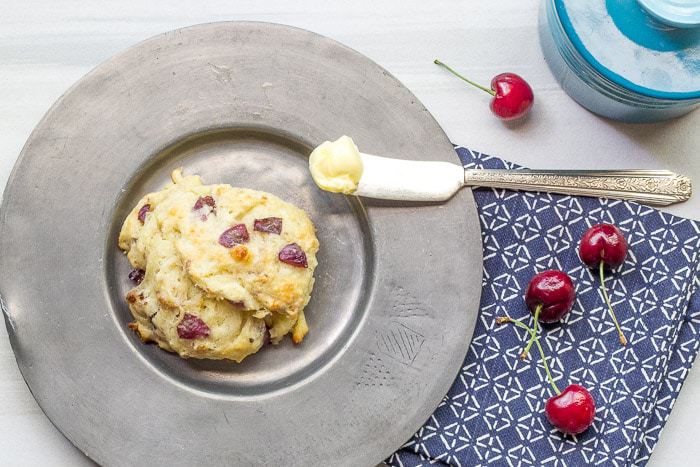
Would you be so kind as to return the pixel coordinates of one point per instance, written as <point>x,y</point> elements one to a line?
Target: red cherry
<point>236,235</point>
<point>204,206</point>
<point>513,97</point>
<point>145,209</point>
<point>604,245</point>
<point>553,292</point>
<point>137,276</point>
<point>549,296</point>
<point>293,254</point>
<point>603,242</point>
<point>192,327</point>
<point>572,411</point>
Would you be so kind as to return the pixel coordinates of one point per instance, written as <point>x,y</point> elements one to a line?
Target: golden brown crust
<point>241,253</point>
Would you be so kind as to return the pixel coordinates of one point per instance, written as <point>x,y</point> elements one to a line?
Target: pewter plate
<point>397,286</point>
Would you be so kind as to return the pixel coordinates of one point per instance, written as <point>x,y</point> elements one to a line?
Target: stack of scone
<point>220,271</point>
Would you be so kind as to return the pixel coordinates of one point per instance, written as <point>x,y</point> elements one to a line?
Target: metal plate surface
<point>397,286</point>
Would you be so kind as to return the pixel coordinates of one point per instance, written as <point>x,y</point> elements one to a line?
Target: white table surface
<point>46,45</point>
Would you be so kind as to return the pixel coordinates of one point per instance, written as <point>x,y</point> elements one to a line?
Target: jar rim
<point>572,35</point>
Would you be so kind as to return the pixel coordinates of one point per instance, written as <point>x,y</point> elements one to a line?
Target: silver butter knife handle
<point>655,187</point>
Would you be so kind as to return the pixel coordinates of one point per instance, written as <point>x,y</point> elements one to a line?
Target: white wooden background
<point>46,45</point>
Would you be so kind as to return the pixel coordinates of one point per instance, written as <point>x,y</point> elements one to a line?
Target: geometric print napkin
<point>494,412</point>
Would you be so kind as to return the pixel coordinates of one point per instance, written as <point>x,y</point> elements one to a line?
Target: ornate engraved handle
<point>655,187</point>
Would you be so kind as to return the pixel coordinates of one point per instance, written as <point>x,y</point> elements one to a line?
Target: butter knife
<point>395,179</point>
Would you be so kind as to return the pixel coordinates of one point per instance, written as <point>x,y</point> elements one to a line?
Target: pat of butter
<point>336,166</point>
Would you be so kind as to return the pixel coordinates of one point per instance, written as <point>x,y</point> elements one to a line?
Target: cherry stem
<point>508,319</point>
<point>546,367</point>
<point>476,85</point>
<point>532,336</point>
<point>623,340</point>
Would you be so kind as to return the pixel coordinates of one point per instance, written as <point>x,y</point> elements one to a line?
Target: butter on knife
<point>340,167</point>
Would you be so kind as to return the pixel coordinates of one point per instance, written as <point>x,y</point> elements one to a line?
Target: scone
<point>219,270</point>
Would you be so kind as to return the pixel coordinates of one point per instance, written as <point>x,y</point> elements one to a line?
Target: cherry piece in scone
<point>572,411</point>
<point>267,338</point>
<point>293,255</point>
<point>145,209</point>
<point>601,246</point>
<point>137,275</point>
<point>272,225</point>
<point>512,95</point>
<point>192,327</point>
<point>235,235</point>
<point>204,206</point>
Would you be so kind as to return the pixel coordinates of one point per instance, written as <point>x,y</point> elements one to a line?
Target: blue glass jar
<point>617,59</point>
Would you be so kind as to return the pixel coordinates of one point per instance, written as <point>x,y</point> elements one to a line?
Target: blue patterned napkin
<point>494,412</point>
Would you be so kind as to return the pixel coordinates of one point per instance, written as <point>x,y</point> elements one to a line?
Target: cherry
<point>204,206</point>
<point>272,225</point>
<point>294,255</point>
<point>604,245</point>
<point>512,96</point>
<point>192,327</point>
<point>236,235</point>
<point>137,276</point>
<point>145,209</point>
<point>549,296</point>
<point>572,411</point>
